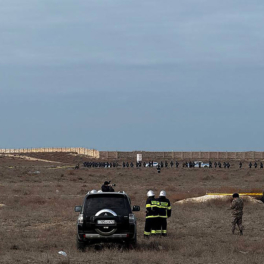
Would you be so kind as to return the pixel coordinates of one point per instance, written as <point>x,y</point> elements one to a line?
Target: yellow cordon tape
<point>226,194</point>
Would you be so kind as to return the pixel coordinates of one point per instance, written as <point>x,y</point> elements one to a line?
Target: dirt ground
<point>37,217</point>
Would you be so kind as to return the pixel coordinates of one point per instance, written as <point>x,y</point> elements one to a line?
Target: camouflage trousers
<point>237,220</point>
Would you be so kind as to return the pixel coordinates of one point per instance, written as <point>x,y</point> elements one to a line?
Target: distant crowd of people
<point>166,164</point>
<point>100,164</point>
<point>250,165</point>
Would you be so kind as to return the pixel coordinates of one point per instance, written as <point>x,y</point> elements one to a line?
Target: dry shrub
<point>82,192</point>
<point>33,200</point>
<point>71,172</point>
<point>73,179</point>
<point>170,188</point>
<point>247,247</point>
<point>155,245</point>
<point>225,178</point>
<point>17,190</point>
<point>256,190</point>
<point>207,178</point>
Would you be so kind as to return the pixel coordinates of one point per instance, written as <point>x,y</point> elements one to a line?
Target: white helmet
<point>150,193</point>
<point>93,191</point>
<point>162,193</point>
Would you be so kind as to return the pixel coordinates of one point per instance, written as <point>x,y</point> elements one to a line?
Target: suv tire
<point>80,245</point>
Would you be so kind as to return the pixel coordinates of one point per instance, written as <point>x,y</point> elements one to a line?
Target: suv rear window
<point>118,203</point>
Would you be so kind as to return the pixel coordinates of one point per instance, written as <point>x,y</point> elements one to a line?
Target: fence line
<point>197,155</point>
<point>83,151</point>
<point>250,155</point>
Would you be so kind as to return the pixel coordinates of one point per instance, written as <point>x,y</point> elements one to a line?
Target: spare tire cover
<point>106,230</point>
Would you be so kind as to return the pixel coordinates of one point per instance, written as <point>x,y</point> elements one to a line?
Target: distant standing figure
<point>250,165</point>
<point>215,164</point>
<point>261,165</point>
<point>237,213</point>
<point>255,165</point>
<point>240,165</point>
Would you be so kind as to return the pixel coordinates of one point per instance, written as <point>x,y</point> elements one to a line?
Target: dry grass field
<point>37,215</point>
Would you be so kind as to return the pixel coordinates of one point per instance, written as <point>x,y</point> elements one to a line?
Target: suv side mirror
<point>78,209</point>
<point>136,208</point>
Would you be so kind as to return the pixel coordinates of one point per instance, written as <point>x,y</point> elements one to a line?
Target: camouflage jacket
<point>237,207</point>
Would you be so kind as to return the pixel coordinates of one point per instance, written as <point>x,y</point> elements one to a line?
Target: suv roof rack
<point>122,192</point>
<point>100,191</point>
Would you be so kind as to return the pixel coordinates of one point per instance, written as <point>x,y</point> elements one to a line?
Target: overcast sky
<point>168,75</point>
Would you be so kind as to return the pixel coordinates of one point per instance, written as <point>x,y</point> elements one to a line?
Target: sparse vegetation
<point>38,218</point>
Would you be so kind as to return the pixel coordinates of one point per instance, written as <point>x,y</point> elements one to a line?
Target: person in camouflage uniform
<point>237,213</point>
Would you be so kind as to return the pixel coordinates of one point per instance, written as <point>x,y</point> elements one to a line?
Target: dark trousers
<point>148,225</point>
<point>161,226</point>
<point>151,226</point>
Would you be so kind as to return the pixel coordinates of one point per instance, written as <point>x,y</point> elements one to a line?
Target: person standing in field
<point>152,214</point>
<point>164,213</point>
<point>237,213</point>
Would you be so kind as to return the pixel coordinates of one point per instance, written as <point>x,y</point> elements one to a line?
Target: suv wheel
<point>80,245</point>
<point>131,244</point>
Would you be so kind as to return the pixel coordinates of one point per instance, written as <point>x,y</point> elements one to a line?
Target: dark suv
<point>106,217</point>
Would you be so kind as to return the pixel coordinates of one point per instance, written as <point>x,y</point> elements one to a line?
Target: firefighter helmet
<point>162,193</point>
<point>150,193</point>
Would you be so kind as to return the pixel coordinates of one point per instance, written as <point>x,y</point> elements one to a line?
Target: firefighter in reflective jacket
<point>164,213</point>
<point>152,214</point>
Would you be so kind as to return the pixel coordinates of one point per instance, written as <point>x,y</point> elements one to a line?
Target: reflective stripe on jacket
<point>152,207</point>
<point>164,207</point>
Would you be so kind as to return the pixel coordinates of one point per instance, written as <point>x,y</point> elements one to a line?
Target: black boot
<point>241,232</point>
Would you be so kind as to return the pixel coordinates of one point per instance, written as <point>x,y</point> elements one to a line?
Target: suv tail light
<point>80,219</point>
<point>131,219</point>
